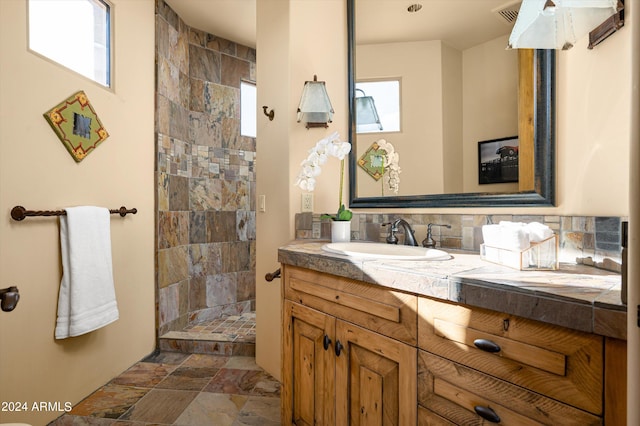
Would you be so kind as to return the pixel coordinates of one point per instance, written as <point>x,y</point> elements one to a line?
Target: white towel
<point>87,299</point>
<point>506,235</point>
<point>538,232</point>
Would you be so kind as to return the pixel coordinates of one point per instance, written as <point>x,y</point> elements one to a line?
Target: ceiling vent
<point>508,13</point>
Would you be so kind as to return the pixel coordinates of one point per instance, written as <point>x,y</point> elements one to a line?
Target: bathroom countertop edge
<point>578,297</point>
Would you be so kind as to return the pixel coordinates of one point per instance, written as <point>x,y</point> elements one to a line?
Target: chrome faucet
<point>409,238</point>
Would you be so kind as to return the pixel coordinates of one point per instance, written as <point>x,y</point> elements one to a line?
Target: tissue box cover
<point>540,256</point>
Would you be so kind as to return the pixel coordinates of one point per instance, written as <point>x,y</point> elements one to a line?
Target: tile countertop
<point>575,296</point>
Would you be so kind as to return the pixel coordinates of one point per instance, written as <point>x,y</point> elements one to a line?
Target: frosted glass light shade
<point>366,112</point>
<point>558,24</point>
<point>315,107</point>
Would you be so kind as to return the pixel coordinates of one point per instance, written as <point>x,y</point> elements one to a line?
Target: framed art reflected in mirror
<point>498,161</point>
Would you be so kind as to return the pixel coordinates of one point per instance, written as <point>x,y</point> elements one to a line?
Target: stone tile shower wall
<point>204,176</point>
<point>582,239</point>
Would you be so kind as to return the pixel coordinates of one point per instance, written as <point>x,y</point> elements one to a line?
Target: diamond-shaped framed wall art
<point>372,161</point>
<point>77,125</point>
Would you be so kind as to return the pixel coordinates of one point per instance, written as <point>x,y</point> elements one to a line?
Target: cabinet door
<point>308,370</point>
<point>375,378</point>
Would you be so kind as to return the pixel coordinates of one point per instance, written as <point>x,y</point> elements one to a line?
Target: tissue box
<point>540,256</point>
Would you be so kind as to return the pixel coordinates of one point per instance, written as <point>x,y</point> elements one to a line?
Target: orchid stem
<point>341,182</point>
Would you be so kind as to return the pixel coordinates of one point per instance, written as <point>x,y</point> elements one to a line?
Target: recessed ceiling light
<point>414,8</point>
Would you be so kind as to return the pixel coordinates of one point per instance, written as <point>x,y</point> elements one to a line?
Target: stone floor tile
<point>205,360</point>
<point>212,409</point>
<point>161,406</point>
<point>243,382</point>
<point>144,374</point>
<point>110,401</point>
<point>173,358</point>
<point>266,385</point>
<point>170,388</point>
<point>69,420</point>
<point>263,411</point>
<point>242,363</point>
<point>188,378</point>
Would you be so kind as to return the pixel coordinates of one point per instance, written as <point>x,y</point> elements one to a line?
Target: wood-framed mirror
<point>534,124</point>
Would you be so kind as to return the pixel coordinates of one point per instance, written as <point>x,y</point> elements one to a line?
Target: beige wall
<point>594,99</point>
<point>452,119</point>
<point>420,140</point>
<point>38,173</point>
<point>273,226</point>
<point>296,39</point>
<point>490,104</point>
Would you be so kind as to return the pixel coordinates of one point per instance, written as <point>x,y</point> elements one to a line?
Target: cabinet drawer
<point>563,364</point>
<point>376,308</point>
<point>450,392</point>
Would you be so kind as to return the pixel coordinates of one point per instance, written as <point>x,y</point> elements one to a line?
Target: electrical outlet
<point>307,202</point>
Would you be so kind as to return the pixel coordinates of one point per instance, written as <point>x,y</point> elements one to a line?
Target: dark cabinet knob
<point>326,342</point>
<point>339,348</point>
<point>487,345</point>
<point>487,413</point>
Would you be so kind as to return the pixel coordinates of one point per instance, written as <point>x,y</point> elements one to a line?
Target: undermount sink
<point>385,251</point>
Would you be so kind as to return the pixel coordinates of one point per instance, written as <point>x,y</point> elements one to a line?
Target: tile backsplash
<point>591,240</point>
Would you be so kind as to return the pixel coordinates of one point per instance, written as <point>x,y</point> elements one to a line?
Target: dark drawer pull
<point>486,345</point>
<point>339,348</point>
<point>326,342</point>
<point>487,413</point>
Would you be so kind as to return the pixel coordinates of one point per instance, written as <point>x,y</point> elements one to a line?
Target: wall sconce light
<point>558,24</point>
<point>315,107</point>
<point>366,112</point>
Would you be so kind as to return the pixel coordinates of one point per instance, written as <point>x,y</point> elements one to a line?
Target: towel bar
<point>270,276</point>
<point>19,212</point>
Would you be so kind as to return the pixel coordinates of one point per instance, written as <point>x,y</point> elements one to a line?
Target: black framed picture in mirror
<point>498,160</point>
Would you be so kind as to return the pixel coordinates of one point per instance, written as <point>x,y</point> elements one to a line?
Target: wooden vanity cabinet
<point>338,366</point>
<point>361,354</point>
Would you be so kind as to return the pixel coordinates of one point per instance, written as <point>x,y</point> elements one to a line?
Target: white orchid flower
<point>318,155</point>
<point>391,165</point>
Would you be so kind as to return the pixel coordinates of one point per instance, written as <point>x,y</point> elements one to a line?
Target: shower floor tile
<point>228,329</point>
<point>232,335</point>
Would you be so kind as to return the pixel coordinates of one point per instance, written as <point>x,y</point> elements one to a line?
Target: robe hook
<point>269,114</point>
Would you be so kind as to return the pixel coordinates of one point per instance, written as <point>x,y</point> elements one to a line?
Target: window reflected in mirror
<point>378,106</point>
